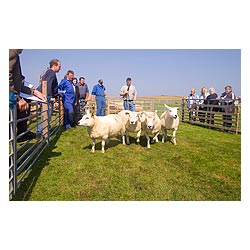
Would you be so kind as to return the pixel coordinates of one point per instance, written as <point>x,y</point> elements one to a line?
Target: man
<point>211,100</point>
<point>99,91</point>
<point>129,94</point>
<point>69,99</point>
<point>16,85</point>
<point>49,75</point>
<point>84,95</point>
<point>228,102</point>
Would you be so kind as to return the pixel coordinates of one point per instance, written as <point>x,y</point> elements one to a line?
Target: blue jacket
<point>69,96</point>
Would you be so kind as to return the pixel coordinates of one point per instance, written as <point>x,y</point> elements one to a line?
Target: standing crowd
<point>75,95</point>
<point>223,103</point>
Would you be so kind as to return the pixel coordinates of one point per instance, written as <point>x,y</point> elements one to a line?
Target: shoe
<point>39,136</point>
<point>28,136</point>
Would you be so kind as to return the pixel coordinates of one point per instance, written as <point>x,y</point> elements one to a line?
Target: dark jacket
<point>15,73</point>
<point>52,83</point>
<point>211,100</point>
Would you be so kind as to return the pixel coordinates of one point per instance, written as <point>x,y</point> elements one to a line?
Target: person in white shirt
<point>202,98</point>
<point>129,94</point>
<point>192,99</point>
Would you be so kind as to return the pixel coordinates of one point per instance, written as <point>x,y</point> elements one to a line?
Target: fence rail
<point>23,155</point>
<point>223,116</point>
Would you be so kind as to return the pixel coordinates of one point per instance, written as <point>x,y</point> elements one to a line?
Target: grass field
<point>204,165</point>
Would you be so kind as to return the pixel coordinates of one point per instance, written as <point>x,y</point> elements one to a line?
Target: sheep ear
<point>166,106</point>
<point>156,111</point>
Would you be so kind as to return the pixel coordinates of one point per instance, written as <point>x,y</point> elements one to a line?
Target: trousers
<point>129,105</point>
<point>68,115</point>
<point>100,105</point>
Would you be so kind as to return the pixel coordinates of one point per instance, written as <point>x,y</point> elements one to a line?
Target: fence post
<point>237,119</point>
<point>13,148</point>
<point>182,109</point>
<point>45,114</point>
<point>61,112</point>
<point>107,106</point>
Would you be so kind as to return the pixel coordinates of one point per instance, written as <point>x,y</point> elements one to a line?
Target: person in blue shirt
<point>99,91</point>
<point>68,98</point>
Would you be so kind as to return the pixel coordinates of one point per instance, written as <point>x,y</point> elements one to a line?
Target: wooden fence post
<point>45,113</point>
<point>182,109</point>
<point>61,111</point>
<point>237,119</point>
<point>107,106</point>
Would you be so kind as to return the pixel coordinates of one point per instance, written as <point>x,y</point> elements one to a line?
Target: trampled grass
<point>204,165</point>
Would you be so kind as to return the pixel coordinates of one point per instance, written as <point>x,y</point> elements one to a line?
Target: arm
<point>87,97</point>
<point>87,94</point>
<point>135,96</point>
<point>93,93</point>
<point>15,78</point>
<point>123,92</point>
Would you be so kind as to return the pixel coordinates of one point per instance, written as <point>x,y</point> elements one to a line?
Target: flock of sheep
<point>105,127</point>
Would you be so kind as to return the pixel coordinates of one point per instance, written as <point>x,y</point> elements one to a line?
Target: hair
<point>53,62</point>
<point>228,86</point>
<point>203,89</point>
<point>81,78</point>
<point>128,79</point>
<point>70,72</point>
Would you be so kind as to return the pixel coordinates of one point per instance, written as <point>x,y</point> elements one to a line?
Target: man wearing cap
<point>129,93</point>
<point>99,91</point>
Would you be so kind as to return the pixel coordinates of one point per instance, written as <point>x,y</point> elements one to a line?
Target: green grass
<point>204,165</point>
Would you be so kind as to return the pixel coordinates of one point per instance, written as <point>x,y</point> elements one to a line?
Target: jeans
<point>129,105</point>
<point>100,105</point>
<point>50,110</point>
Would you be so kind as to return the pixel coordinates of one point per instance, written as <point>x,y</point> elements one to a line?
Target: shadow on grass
<point>143,141</point>
<point>98,146</point>
<point>26,186</point>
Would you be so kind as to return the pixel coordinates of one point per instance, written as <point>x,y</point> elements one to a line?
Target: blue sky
<point>153,71</point>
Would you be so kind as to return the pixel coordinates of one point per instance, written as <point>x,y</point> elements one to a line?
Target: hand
<point>22,105</point>
<point>39,95</point>
<point>52,99</point>
<point>134,102</point>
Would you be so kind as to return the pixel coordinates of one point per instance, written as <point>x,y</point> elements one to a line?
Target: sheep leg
<point>148,140</point>
<point>93,146</point>
<point>103,145</point>
<point>138,136</point>
<point>156,137</point>
<point>174,137</point>
<point>127,137</point>
<point>163,135</point>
